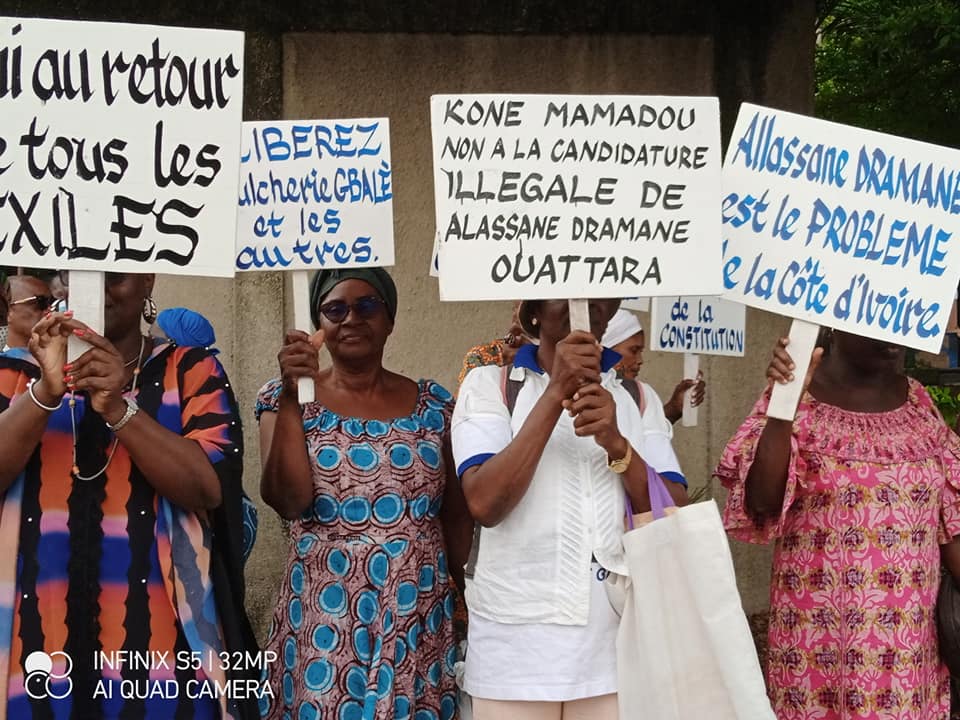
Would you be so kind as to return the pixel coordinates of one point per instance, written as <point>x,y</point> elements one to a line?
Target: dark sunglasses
<point>364,308</point>
<point>42,302</point>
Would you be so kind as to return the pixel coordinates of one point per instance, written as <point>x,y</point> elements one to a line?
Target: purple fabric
<point>660,497</point>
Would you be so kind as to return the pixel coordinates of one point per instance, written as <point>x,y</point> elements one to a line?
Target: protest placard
<point>315,194</point>
<point>545,196</point>
<point>842,227</point>
<point>119,146</point>
<point>697,324</point>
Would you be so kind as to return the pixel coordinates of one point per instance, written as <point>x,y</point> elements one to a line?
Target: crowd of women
<point>125,528</point>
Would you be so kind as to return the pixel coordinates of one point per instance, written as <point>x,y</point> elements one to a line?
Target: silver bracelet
<point>39,404</point>
<point>132,409</point>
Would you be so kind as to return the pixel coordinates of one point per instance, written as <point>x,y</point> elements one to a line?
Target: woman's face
<point>869,356</point>
<point>632,351</point>
<point>363,330</point>
<point>123,303</point>
<point>553,317</point>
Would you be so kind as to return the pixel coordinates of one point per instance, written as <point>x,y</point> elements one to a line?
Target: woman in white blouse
<point>546,482</point>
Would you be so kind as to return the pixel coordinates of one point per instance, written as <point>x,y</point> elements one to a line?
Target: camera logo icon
<point>43,672</point>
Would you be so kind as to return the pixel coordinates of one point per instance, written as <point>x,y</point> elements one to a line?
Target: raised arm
<point>180,467</point>
<point>286,480</point>
<point>23,422</point>
<point>595,414</point>
<point>766,481</point>
<point>494,488</point>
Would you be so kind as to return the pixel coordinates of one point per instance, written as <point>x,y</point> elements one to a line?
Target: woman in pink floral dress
<point>859,493</point>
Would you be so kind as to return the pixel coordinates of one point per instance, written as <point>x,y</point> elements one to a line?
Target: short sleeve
<point>481,422</point>
<point>14,376</point>
<point>268,398</point>
<point>654,419</point>
<point>209,413</point>
<point>650,434</point>
<point>735,464</point>
<point>950,502</point>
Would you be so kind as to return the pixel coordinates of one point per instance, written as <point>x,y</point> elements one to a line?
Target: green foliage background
<point>892,66</point>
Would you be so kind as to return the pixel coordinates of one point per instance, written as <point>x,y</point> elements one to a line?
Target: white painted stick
<point>579,315</point>
<point>691,367</point>
<point>784,399</point>
<point>301,318</point>
<point>86,299</point>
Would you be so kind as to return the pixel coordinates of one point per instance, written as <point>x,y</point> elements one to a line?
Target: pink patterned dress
<point>869,498</point>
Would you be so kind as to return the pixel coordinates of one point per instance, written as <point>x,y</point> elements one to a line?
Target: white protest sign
<point>697,324</point>
<point>315,194</point>
<point>841,227</point>
<point>119,146</point>
<point>545,196</point>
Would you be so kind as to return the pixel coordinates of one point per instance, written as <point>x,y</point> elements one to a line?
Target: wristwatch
<point>620,466</point>
<point>128,414</point>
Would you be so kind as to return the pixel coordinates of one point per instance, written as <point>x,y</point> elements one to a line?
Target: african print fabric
<point>91,570</point>
<point>869,498</point>
<point>363,623</point>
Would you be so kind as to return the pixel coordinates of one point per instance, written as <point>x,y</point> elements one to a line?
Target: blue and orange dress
<point>90,569</point>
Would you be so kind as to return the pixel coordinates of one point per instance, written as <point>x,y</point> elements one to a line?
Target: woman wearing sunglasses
<point>28,299</point>
<point>364,475</point>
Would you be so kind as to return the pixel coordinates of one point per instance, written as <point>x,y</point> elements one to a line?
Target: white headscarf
<point>623,325</point>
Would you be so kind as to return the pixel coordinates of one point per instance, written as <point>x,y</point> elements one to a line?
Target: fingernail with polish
<point>79,333</point>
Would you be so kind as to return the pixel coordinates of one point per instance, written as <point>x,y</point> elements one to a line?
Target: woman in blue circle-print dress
<point>363,625</point>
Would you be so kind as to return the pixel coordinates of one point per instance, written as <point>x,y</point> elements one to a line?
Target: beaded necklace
<point>75,469</point>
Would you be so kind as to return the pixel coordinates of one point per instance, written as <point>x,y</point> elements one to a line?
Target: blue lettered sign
<point>843,227</point>
<point>705,325</point>
<point>315,194</point>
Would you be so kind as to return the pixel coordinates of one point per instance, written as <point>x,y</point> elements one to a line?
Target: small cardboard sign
<point>315,194</point>
<point>698,324</point>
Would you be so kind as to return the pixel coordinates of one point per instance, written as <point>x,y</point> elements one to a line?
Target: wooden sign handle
<point>691,368</point>
<point>579,315</point>
<point>785,398</point>
<point>306,391</point>
<point>86,300</point>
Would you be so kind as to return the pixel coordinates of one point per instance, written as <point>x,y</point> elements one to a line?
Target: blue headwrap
<point>187,327</point>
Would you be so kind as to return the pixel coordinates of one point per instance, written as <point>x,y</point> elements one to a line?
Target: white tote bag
<point>684,648</point>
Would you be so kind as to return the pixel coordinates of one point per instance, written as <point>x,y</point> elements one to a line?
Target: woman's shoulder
<point>432,390</point>
<point>268,396</point>
<point>911,430</point>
